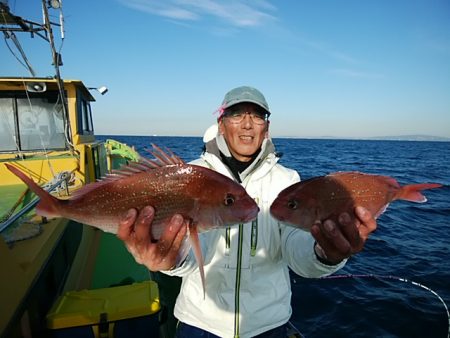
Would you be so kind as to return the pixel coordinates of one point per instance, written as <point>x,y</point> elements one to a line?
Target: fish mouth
<point>251,215</point>
<point>275,212</point>
<point>253,210</point>
<point>278,217</point>
<point>247,217</point>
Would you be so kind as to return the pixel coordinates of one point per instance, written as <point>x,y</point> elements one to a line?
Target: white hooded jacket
<point>248,287</point>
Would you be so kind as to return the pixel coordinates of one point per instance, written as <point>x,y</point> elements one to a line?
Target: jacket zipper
<point>254,234</point>
<point>254,241</point>
<point>238,282</point>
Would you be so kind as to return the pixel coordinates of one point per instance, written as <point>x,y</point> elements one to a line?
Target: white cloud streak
<point>356,74</point>
<point>238,13</point>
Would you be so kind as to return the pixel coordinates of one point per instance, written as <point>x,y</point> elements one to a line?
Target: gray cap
<point>245,94</point>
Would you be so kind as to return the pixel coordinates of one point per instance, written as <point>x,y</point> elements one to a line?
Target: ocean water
<point>396,286</point>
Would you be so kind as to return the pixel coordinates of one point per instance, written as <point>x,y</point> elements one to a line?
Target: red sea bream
<point>326,197</point>
<point>207,198</point>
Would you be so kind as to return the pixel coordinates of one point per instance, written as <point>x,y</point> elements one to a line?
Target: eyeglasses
<point>237,116</point>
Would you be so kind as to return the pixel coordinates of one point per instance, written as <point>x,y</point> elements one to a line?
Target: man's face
<point>244,137</point>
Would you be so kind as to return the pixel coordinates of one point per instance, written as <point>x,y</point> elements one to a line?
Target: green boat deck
<point>114,264</point>
<point>9,197</point>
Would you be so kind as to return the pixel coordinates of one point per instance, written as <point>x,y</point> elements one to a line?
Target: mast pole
<point>57,62</point>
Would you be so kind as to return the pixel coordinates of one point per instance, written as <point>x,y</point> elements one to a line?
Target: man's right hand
<point>135,231</point>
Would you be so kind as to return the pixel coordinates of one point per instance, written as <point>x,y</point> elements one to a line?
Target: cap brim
<point>235,102</point>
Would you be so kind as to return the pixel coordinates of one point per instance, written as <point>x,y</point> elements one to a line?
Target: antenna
<point>61,20</point>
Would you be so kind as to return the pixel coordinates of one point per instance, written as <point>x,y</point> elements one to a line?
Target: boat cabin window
<point>85,125</point>
<point>31,121</point>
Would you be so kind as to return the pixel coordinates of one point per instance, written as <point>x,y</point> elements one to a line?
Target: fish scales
<point>326,197</point>
<point>165,190</point>
<point>364,189</point>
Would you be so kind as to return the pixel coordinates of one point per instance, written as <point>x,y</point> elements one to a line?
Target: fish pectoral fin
<point>183,251</point>
<point>317,214</point>
<point>195,243</point>
<point>195,208</point>
<point>382,210</point>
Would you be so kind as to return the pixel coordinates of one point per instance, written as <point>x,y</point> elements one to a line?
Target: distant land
<point>413,138</point>
<point>428,138</point>
<point>382,138</point>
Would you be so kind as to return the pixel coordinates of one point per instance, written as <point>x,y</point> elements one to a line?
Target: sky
<point>348,68</point>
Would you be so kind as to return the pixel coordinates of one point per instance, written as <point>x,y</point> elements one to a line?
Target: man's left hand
<point>338,241</point>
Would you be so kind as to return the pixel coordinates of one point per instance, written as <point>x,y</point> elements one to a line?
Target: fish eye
<point>292,204</point>
<point>229,200</point>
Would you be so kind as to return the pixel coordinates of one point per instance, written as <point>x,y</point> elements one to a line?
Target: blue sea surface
<point>397,285</point>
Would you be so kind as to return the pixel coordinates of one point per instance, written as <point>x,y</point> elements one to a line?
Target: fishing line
<point>396,279</point>
<point>34,111</point>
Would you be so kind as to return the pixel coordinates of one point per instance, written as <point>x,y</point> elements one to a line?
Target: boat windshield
<point>31,122</point>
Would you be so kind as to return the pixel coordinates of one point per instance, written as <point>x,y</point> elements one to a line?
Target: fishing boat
<point>61,278</point>
<point>46,130</point>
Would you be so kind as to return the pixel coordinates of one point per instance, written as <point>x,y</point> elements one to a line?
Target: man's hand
<point>135,231</point>
<point>337,241</point>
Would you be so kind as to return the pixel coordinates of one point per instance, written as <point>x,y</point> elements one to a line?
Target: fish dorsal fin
<point>165,157</point>
<point>161,159</point>
<point>387,179</point>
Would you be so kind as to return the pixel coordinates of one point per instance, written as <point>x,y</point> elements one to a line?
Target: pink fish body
<point>326,197</point>
<point>207,198</point>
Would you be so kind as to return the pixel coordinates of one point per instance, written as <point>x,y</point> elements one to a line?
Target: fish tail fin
<point>48,206</point>
<point>412,192</point>
<point>195,243</point>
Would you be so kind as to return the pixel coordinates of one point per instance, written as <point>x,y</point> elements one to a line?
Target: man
<point>248,290</point>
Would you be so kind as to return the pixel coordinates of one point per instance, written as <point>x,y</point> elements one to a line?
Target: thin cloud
<point>238,13</point>
<point>165,9</point>
<point>438,42</point>
<point>341,56</point>
<point>440,46</point>
<point>356,74</point>
<point>329,50</point>
<point>235,15</point>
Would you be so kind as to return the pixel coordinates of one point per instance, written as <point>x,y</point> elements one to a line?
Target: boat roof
<point>48,80</point>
